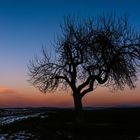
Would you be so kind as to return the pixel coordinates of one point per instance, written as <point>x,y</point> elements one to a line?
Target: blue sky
<point>26,25</point>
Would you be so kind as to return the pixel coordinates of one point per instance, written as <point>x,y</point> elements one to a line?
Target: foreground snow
<point>12,119</point>
<point>21,135</point>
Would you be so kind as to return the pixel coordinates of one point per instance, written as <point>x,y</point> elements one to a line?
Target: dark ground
<point>103,124</point>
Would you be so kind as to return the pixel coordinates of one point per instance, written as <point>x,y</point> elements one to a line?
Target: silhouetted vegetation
<point>89,53</point>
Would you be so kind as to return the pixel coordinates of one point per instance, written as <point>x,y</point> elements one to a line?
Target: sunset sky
<point>27,25</point>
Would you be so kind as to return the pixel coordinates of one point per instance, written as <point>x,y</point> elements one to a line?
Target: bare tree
<point>102,51</point>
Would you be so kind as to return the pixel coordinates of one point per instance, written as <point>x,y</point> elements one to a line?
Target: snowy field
<point>9,116</point>
<point>21,135</point>
<point>12,119</point>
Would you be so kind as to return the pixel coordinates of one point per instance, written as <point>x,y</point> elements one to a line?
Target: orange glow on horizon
<point>32,98</point>
<point>4,90</point>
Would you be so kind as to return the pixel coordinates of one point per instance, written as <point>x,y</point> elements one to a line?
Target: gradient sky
<point>27,25</point>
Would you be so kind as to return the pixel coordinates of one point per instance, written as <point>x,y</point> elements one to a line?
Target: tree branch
<point>88,89</point>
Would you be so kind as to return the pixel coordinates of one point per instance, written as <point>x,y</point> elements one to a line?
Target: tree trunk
<point>78,108</point>
<point>77,102</point>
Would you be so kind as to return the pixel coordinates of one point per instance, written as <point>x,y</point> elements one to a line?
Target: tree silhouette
<point>89,53</point>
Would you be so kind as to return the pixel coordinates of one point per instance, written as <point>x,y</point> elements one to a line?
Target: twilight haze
<point>27,25</point>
